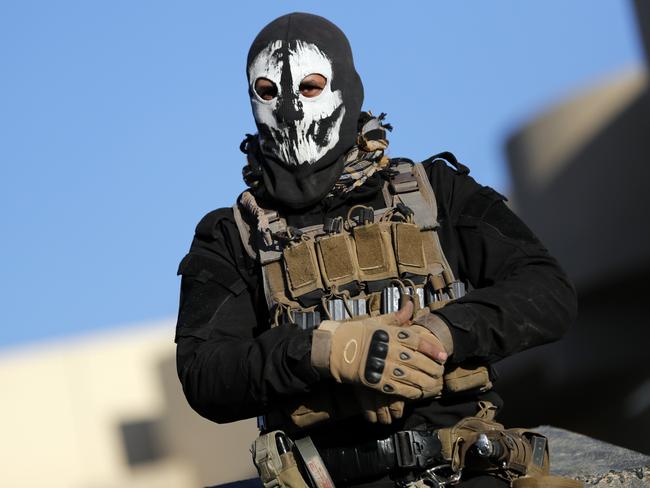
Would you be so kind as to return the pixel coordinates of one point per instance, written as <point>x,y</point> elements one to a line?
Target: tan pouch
<point>459,379</point>
<point>275,469</point>
<point>432,253</point>
<point>275,284</point>
<point>375,251</point>
<point>302,268</point>
<point>436,262</point>
<point>289,476</point>
<point>409,249</point>
<point>312,408</point>
<point>337,260</point>
<point>462,434</point>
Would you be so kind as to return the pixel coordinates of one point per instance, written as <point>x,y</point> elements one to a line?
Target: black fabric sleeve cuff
<point>460,320</point>
<point>299,357</point>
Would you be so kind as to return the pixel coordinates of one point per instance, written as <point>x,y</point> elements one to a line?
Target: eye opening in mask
<point>312,85</point>
<point>266,89</point>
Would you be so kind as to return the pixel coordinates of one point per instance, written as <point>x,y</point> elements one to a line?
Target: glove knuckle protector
<point>379,356</point>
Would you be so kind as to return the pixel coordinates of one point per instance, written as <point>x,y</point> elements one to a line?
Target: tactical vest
<point>365,264</point>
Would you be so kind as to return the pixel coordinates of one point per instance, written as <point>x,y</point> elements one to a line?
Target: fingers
<point>432,349</point>
<point>408,359</point>
<point>370,416</point>
<point>396,409</point>
<point>429,386</point>
<point>400,318</point>
<point>412,375</point>
<point>404,314</point>
<point>383,415</point>
<point>377,407</point>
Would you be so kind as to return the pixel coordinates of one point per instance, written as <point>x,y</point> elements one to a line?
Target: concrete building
<point>580,174</point>
<point>105,411</point>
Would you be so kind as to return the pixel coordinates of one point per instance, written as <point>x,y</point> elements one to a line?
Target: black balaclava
<point>302,140</point>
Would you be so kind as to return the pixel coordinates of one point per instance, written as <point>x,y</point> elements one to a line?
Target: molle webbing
<point>353,265</point>
<point>365,265</point>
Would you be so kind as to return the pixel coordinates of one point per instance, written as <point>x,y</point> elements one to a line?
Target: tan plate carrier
<point>398,249</point>
<point>401,253</point>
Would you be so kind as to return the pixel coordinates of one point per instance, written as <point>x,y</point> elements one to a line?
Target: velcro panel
<point>375,252</point>
<point>302,268</point>
<point>435,262</point>
<point>409,249</point>
<point>337,260</point>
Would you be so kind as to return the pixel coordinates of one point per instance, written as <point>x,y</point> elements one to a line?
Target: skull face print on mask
<point>306,107</point>
<point>295,128</point>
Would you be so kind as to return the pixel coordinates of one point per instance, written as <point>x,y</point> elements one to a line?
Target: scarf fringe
<point>362,161</point>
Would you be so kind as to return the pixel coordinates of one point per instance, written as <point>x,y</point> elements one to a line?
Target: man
<point>330,299</point>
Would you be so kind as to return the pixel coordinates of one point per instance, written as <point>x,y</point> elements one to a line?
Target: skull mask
<point>302,139</point>
<point>294,128</point>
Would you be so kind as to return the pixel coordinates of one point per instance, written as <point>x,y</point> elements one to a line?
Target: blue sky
<point>120,123</point>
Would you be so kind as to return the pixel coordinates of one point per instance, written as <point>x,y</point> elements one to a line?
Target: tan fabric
<point>312,408</point>
<point>302,268</point>
<point>274,469</point>
<point>321,349</point>
<point>375,253</point>
<point>379,407</point>
<point>525,452</point>
<point>275,282</point>
<point>464,433</point>
<point>438,281</point>
<point>289,476</point>
<point>462,379</point>
<point>486,410</point>
<point>437,326</point>
<point>406,372</point>
<point>337,260</point>
<point>409,249</point>
<point>330,401</point>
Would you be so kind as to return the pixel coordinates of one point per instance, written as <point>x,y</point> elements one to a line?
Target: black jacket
<point>232,366</point>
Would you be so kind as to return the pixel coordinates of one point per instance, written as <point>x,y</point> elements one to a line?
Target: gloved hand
<point>380,353</point>
<point>440,344</point>
<point>379,407</point>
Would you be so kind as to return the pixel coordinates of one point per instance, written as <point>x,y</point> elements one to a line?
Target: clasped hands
<point>387,354</point>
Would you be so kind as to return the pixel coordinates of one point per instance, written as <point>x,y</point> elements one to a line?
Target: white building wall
<point>63,403</point>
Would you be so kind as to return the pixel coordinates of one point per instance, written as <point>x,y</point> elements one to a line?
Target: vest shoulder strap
<point>256,236</point>
<point>410,185</point>
<point>245,230</point>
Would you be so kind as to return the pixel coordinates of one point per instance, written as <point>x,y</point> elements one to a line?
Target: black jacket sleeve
<point>521,296</point>
<point>229,365</point>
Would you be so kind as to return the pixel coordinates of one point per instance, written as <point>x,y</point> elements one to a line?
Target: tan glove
<point>440,338</point>
<point>379,407</point>
<point>380,354</point>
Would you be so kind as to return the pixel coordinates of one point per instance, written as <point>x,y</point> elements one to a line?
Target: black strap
<point>406,450</point>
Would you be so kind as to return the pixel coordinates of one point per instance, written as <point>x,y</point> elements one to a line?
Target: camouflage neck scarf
<point>363,160</point>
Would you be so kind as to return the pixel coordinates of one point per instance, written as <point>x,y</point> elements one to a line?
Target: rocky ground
<point>595,462</point>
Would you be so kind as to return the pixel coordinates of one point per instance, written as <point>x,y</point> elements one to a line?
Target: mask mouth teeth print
<point>294,128</point>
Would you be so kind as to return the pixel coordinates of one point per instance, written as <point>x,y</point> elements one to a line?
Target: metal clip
<point>306,320</point>
<point>416,293</point>
<point>434,475</point>
<point>457,289</point>
<point>390,299</point>
<point>339,311</point>
<point>333,225</point>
